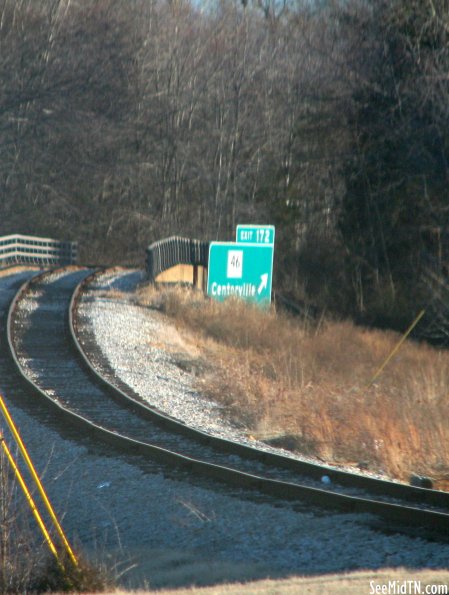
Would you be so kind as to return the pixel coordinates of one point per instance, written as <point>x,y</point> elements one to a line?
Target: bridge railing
<point>170,252</point>
<point>20,249</point>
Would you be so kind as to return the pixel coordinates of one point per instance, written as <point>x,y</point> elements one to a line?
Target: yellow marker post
<point>30,501</point>
<point>37,481</point>
<point>397,346</point>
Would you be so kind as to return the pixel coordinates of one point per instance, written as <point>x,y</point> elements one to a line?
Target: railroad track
<point>10,380</point>
<point>44,343</point>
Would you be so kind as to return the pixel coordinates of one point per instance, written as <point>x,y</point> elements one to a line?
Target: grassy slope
<point>309,387</point>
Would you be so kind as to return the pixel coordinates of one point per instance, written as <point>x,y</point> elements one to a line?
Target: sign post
<point>243,269</point>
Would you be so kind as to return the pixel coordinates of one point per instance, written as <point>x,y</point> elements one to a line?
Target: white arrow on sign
<point>263,283</point>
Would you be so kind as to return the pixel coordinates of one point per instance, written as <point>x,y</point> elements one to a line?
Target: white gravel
<point>124,332</point>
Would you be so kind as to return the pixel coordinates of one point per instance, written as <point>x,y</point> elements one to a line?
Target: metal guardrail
<point>164,254</point>
<point>19,249</point>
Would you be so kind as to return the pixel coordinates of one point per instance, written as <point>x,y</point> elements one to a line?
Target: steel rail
<point>312,470</point>
<point>405,515</point>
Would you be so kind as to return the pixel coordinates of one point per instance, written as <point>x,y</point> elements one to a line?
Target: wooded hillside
<point>125,122</point>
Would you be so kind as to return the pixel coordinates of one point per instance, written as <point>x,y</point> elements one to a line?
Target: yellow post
<point>396,347</point>
<point>37,481</point>
<point>30,501</point>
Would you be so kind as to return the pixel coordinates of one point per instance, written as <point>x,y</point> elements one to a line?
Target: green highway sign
<point>242,270</point>
<point>255,234</point>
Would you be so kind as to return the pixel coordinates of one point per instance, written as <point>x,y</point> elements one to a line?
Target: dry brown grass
<point>26,564</point>
<point>310,388</point>
<point>353,583</point>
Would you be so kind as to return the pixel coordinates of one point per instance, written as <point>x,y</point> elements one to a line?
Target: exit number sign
<point>255,234</point>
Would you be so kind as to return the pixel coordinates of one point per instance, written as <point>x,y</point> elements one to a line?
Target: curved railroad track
<point>10,283</point>
<point>45,348</point>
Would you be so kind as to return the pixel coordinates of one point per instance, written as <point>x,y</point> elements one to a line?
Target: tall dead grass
<point>26,564</point>
<point>309,388</point>
<point>18,551</point>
